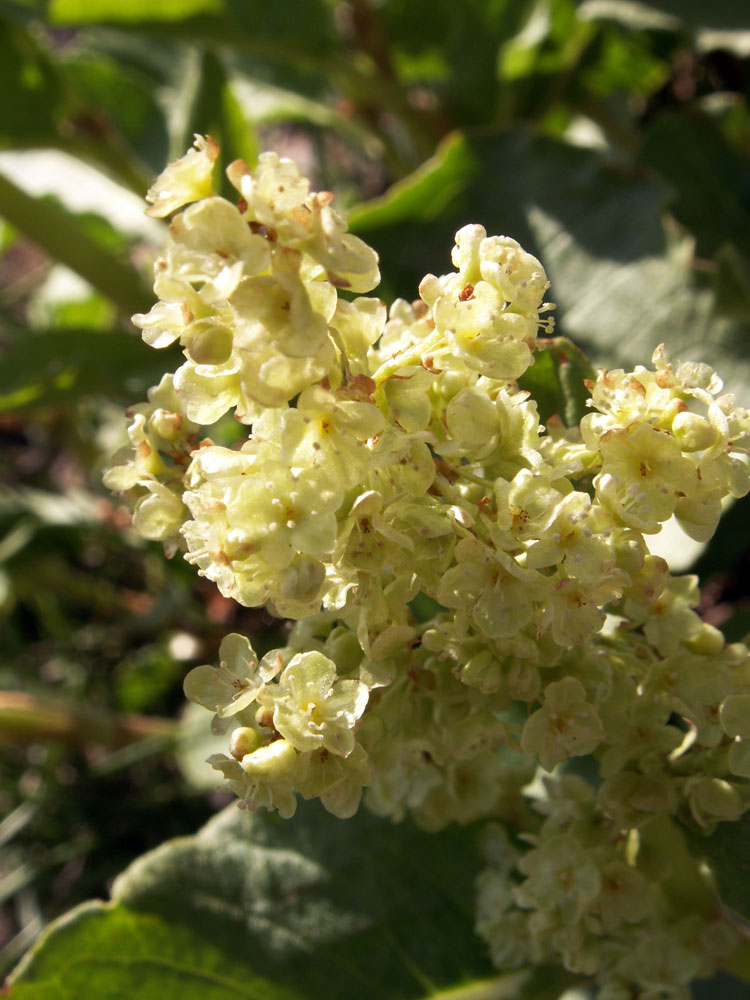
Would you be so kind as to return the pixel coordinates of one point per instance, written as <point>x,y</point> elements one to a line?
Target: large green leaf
<point>308,908</point>
<point>623,280</point>
<point>362,907</point>
<point>110,953</point>
<point>711,181</point>
<point>303,25</point>
<point>519,184</point>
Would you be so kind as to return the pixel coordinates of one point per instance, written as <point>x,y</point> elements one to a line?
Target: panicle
<point>474,600</point>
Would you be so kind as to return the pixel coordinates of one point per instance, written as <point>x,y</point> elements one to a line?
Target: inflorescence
<point>391,457</point>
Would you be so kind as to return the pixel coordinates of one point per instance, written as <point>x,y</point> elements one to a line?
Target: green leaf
<point>305,23</point>
<point>65,97</point>
<point>727,852</point>
<point>116,97</point>
<point>89,11</point>
<point>512,182</point>
<point>31,85</point>
<point>215,110</point>
<point>53,366</point>
<point>306,28</point>
<point>257,907</point>
<point>619,62</point>
<point>336,909</point>
<point>710,180</point>
<point>266,103</point>
<point>623,280</point>
<point>111,953</point>
<point>556,381</point>
<point>452,45</point>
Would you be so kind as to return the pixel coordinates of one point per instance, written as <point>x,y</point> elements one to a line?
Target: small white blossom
<point>313,708</point>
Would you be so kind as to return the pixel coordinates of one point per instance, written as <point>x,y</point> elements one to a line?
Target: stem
<point>404,359</point>
<point>477,480</point>
<point>386,91</point>
<point>25,718</point>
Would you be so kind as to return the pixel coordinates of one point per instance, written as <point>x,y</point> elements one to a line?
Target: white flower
<point>187,179</point>
<point>313,708</point>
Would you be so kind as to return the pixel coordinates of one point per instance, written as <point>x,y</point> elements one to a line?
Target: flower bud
<point>270,762</point>
<point>243,742</point>
<point>167,425</point>
<point>708,640</point>
<point>693,432</point>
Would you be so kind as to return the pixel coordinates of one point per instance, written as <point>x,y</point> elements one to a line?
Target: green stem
<point>404,359</point>
<point>60,235</point>
<point>487,484</point>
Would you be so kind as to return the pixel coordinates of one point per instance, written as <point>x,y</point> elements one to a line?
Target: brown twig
<point>26,718</point>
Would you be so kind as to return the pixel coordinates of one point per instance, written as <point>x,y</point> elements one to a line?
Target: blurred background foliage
<point>611,137</point>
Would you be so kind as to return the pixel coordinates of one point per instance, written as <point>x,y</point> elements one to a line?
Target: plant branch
<point>26,718</point>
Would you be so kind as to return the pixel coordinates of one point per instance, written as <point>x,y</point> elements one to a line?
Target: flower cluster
<point>474,598</point>
<point>629,910</point>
